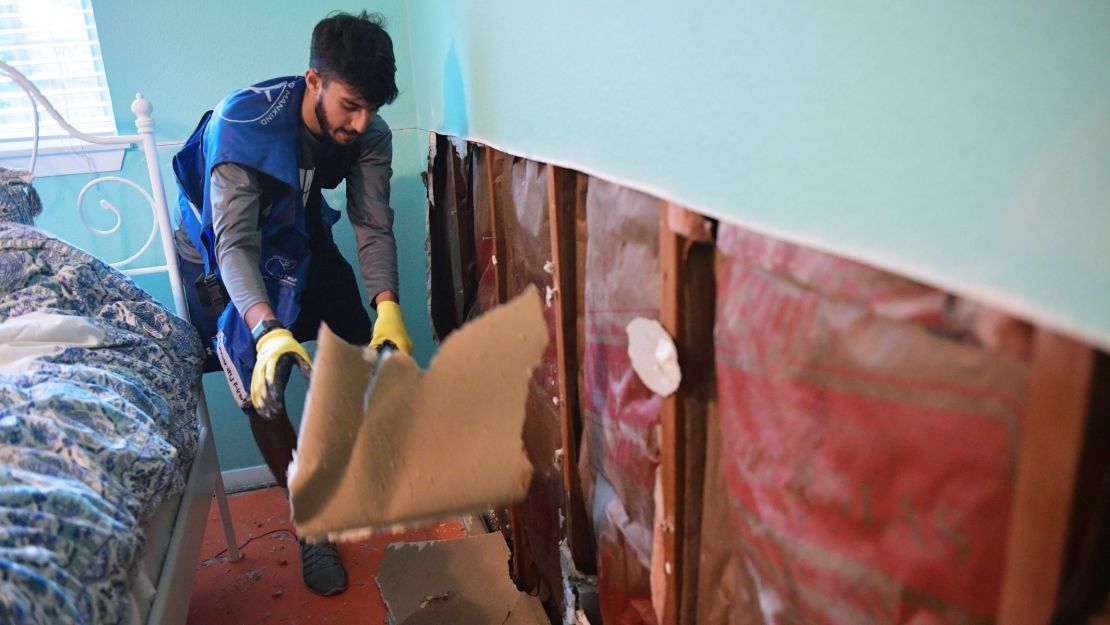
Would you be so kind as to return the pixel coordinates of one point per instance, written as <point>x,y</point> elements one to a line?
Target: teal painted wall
<point>184,57</point>
<point>963,144</point>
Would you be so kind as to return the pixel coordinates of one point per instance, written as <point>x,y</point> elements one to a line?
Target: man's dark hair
<point>356,50</point>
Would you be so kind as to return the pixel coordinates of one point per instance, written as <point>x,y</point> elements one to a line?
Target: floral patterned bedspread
<point>92,438</point>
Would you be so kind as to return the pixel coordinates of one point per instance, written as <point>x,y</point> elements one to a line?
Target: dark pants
<point>331,296</point>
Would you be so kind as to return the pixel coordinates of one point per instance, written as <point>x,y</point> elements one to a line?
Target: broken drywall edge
<point>527,610</point>
<point>576,585</point>
<point>653,355</point>
<point>461,146</point>
<point>462,581</point>
<point>446,608</point>
<point>357,534</point>
<point>402,447</point>
<point>976,291</point>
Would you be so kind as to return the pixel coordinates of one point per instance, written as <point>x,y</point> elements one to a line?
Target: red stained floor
<point>266,587</point>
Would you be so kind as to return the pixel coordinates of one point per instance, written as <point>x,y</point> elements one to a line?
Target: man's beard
<point>322,118</point>
<point>325,125</point>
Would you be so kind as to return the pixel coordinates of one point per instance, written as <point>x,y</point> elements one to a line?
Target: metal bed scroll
<point>171,600</point>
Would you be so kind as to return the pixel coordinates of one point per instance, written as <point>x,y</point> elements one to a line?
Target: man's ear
<point>313,79</point>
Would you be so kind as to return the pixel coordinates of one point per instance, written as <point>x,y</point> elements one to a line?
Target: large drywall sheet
<point>966,145</point>
<point>386,446</point>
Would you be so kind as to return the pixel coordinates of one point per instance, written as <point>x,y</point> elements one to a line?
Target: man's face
<point>342,114</point>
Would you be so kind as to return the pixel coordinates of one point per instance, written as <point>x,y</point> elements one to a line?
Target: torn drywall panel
<point>653,355</point>
<point>461,145</point>
<point>464,581</point>
<point>579,589</point>
<point>452,277</point>
<point>402,446</point>
<point>527,611</point>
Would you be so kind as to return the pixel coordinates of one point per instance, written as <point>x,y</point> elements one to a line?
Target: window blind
<point>54,43</point>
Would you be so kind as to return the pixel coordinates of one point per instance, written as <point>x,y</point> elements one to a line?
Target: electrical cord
<point>252,538</point>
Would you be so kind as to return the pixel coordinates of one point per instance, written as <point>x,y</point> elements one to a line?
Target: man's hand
<point>277,351</point>
<point>391,327</point>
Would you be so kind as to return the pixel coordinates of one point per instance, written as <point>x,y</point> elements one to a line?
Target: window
<point>54,44</point>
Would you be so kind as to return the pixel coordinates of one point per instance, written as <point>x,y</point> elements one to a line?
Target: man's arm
<point>372,218</point>
<point>371,215</point>
<point>236,201</point>
<point>258,312</point>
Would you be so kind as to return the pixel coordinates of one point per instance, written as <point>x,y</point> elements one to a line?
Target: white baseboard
<point>248,478</point>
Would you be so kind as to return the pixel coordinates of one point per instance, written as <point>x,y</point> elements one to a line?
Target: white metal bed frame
<point>170,605</point>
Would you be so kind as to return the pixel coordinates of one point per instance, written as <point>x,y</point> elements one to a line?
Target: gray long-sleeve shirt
<point>236,196</point>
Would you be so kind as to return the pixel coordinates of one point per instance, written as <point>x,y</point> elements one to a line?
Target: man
<point>257,231</point>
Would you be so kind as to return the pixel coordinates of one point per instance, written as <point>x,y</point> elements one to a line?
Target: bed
<point>107,462</point>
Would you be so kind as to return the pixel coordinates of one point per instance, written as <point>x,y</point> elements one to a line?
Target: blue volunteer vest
<point>257,127</point>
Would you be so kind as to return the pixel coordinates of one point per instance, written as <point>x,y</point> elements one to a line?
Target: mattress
<point>98,390</point>
<point>158,530</point>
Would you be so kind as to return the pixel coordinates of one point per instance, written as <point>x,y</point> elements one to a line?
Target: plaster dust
<point>463,581</point>
<point>402,447</point>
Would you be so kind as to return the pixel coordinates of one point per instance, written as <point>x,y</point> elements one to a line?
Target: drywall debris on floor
<point>385,445</point>
<point>464,581</point>
<point>579,591</point>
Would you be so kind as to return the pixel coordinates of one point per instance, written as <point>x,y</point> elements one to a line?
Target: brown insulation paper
<point>620,414</point>
<point>523,224</point>
<point>403,446</point>
<point>486,268</point>
<point>865,442</point>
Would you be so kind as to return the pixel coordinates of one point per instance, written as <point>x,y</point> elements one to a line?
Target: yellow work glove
<point>277,351</point>
<point>391,327</point>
